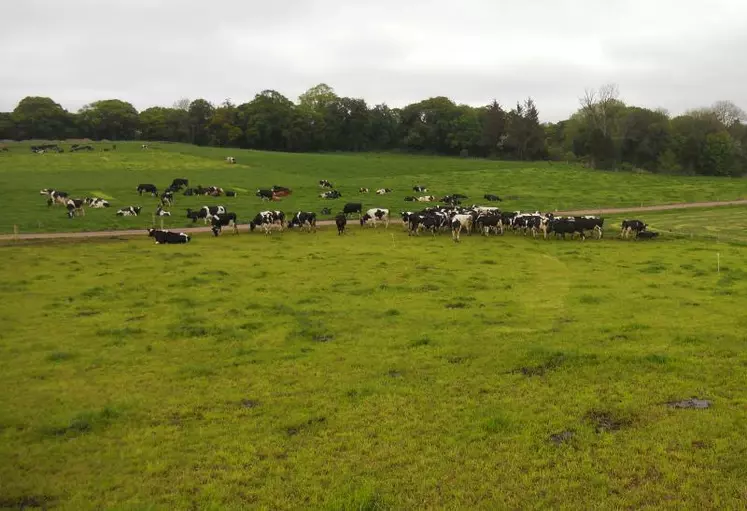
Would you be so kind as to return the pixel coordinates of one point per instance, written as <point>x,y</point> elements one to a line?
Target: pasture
<point>371,371</point>
<point>114,175</point>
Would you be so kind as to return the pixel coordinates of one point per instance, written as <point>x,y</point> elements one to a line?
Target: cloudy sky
<point>675,54</point>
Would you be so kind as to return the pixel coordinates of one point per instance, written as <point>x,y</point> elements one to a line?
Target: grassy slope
<point>371,369</point>
<point>116,174</point>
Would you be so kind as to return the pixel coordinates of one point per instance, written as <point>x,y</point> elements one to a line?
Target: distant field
<point>372,371</point>
<point>115,174</point>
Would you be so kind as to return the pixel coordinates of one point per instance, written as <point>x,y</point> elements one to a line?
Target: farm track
<point>326,223</point>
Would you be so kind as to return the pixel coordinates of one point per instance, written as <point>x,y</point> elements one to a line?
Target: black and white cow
<point>647,235</point>
<point>168,237</point>
<point>352,207</point>
<point>362,190</point>
<point>340,221</point>
<point>265,194</point>
<point>632,226</point>
<point>460,222</point>
<point>162,212</point>
<point>488,222</point>
<point>326,211</point>
<point>376,216</point>
<point>281,191</point>
<point>147,188</point>
<point>419,188</point>
<point>230,159</point>
<point>96,203</point>
<point>75,207</point>
<point>205,212</point>
<point>492,198</point>
<point>410,198</point>
<point>167,198</point>
<point>230,193</point>
<point>427,198</point>
<point>268,221</point>
<point>304,220</point>
<point>129,211</point>
<point>332,194</point>
<point>221,220</point>
<point>325,184</point>
<point>383,191</point>
<point>179,183</point>
<point>55,196</point>
<point>144,146</point>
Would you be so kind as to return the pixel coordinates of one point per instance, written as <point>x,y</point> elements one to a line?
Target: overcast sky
<point>676,54</point>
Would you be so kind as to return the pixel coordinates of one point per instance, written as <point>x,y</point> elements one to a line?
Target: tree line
<point>604,133</point>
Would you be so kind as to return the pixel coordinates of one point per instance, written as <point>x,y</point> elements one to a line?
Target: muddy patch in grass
<point>562,437</point>
<point>84,313</point>
<point>423,341</point>
<point>456,305</point>
<point>85,422</point>
<point>698,404</point>
<point>26,501</point>
<point>607,421</point>
<point>299,428</point>
<point>60,356</point>
<point>249,403</point>
<point>554,362</point>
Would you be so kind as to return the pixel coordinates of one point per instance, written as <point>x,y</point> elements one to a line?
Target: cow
<point>460,222</point>
<point>332,194</point>
<point>352,207</point>
<point>162,212</point>
<point>265,194</point>
<point>148,188</point>
<point>427,198</point>
<point>168,237</point>
<point>167,198</point>
<point>54,196</point>
<point>4,149</point>
<point>129,211</point>
<point>179,182</point>
<point>562,226</point>
<point>419,188</point>
<point>632,226</point>
<point>325,184</point>
<point>221,220</point>
<point>281,191</point>
<point>362,190</point>
<point>410,198</point>
<point>492,198</point>
<point>326,211</point>
<point>230,159</point>
<point>268,220</point>
<point>487,223</point>
<point>75,207</point>
<point>383,191</point>
<point>96,203</point>
<point>451,199</point>
<point>376,215</point>
<point>646,235</point>
<point>340,221</point>
<point>205,212</point>
<point>304,219</point>
<point>144,146</point>
<point>230,193</point>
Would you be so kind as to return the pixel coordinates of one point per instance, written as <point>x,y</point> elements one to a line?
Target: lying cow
<point>492,198</point>
<point>222,220</point>
<point>325,184</point>
<point>419,188</point>
<point>647,235</point>
<point>96,203</point>
<point>427,198</point>
<point>376,215</point>
<point>230,159</point>
<point>332,194</point>
<point>129,211</point>
<point>168,237</point>
<point>362,190</point>
<point>383,191</point>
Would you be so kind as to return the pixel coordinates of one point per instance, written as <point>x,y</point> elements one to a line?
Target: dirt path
<point>323,223</point>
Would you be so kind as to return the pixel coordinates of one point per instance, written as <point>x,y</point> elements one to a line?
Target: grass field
<point>372,371</point>
<point>116,174</point>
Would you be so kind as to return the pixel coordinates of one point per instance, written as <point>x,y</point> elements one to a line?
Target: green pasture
<point>115,174</point>
<point>371,371</point>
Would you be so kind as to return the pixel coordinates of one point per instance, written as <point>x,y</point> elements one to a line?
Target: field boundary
<point>117,233</point>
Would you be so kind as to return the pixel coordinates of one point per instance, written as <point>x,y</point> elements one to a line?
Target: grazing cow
<point>96,203</point>
<point>167,198</point>
<point>281,191</point>
<point>221,220</point>
<point>352,207</point>
<point>129,211</point>
<point>268,220</point>
<point>326,211</point>
<point>340,221</point>
<point>383,191</point>
<point>265,194</point>
<point>54,196</point>
<point>205,212</point>
<point>162,212</point>
<point>304,219</point>
<point>376,215</point>
<point>427,198</point>
<point>632,226</point>
<point>419,188</point>
<point>75,207</point>
<point>230,159</point>
<point>148,188</point>
<point>168,237</point>
<point>458,223</point>
<point>647,235</point>
<point>325,184</point>
<point>362,190</point>
<point>178,183</point>
<point>492,198</point>
<point>332,194</point>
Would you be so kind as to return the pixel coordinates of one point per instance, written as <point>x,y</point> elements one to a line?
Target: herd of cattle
<point>451,217</point>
